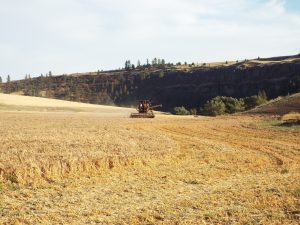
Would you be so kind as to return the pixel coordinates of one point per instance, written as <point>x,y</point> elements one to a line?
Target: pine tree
<point>0,80</point>
<point>127,65</point>
<point>154,61</point>
<point>262,95</point>
<point>8,78</point>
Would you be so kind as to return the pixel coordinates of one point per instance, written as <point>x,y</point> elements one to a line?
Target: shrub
<point>250,102</point>
<point>193,111</point>
<point>233,105</point>
<point>221,105</point>
<point>181,111</point>
<point>214,107</point>
<point>262,97</point>
<point>255,100</point>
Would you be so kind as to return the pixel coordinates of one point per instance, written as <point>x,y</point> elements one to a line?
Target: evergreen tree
<point>154,61</point>
<point>0,80</point>
<point>127,65</point>
<point>262,94</point>
<point>8,78</point>
<point>138,63</point>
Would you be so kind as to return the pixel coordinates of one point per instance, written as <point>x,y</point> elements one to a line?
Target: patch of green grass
<point>275,125</point>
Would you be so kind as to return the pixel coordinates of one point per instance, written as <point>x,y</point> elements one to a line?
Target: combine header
<point>144,110</point>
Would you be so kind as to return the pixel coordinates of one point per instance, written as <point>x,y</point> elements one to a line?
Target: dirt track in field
<point>86,169</point>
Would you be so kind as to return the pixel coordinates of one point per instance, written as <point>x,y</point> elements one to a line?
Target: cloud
<point>76,35</point>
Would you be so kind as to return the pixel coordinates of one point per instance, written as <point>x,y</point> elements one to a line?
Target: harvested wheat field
<point>86,168</point>
<point>26,103</point>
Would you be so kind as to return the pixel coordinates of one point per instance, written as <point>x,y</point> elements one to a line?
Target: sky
<point>69,36</point>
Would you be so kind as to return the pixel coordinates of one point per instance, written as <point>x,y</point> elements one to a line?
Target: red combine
<point>145,110</point>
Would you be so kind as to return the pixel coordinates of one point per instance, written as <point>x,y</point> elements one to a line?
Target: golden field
<point>65,165</point>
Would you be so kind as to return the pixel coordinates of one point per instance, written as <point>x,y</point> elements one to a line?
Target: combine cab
<point>144,110</point>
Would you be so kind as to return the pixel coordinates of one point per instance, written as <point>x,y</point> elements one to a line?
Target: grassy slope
<point>280,106</point>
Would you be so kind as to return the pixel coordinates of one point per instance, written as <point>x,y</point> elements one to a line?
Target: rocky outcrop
<point>169,86</point>
<point>193,89</point>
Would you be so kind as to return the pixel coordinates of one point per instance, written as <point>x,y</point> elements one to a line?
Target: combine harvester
<point>145,110</point>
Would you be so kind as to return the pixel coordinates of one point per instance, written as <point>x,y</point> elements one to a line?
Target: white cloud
<point>83,35</point>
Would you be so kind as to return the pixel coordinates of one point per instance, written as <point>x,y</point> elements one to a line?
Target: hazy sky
<point>67,36</point>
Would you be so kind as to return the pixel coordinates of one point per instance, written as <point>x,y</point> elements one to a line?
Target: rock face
<point>193,89</point>
<point>169,86</point>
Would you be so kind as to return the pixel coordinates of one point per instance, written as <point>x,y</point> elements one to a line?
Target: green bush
<point>181,111</point>
<point>233,105</point>
<point>227,105</point>
<point>250,102</point>
<point>214,107</point>
<point>255,100</point>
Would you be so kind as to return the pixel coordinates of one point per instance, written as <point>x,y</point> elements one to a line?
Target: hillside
<point>189,85</point>
<point>280,105</point>
<point>28,103</point>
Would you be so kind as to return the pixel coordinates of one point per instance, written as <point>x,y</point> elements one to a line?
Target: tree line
<point>221,105</point>
<point>155,62</point>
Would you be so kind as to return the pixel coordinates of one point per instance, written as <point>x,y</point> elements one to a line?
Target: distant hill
<point>9,102</point>
<point>189,85</point>
<point>280,105</point>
